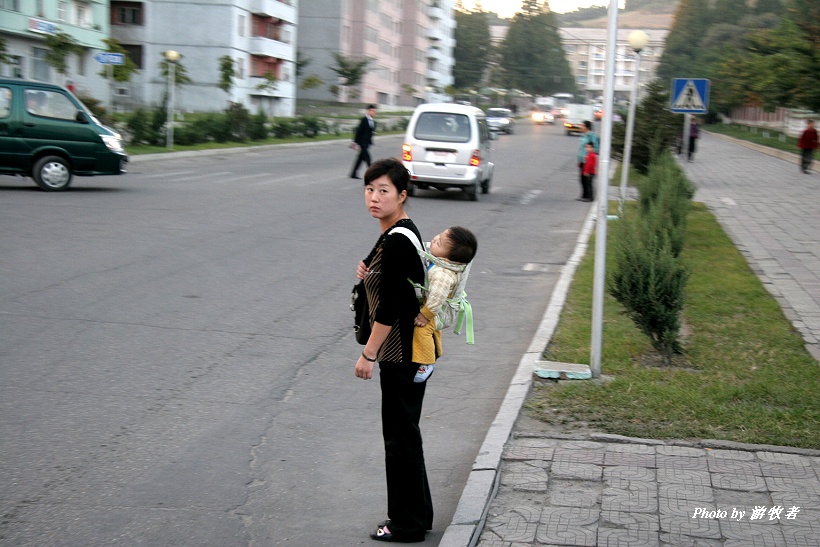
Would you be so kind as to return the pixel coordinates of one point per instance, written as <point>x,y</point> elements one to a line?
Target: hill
<point>647,14</point>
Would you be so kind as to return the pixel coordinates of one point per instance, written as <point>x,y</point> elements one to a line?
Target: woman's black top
<point>393,263</point>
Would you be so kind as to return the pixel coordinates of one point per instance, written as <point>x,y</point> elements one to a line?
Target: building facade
<point>259,36</point>
<point>26,24</point>
<point>409,44</point>
<point>586,52</point>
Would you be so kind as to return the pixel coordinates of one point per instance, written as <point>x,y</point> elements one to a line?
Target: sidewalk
<point>537,489</point>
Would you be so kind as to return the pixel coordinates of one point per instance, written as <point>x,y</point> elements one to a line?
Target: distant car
<point>540,117</point>
<point>500,120</point>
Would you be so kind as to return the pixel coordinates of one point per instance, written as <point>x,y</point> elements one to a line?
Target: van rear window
<point>442,127</point>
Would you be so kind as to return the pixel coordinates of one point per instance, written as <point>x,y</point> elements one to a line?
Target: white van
<point>448,146</point>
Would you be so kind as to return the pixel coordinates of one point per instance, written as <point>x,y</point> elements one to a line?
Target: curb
<point>482,484</point>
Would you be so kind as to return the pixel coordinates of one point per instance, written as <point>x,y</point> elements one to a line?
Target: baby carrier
<point>456,310</point>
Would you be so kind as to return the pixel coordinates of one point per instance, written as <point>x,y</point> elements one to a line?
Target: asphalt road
<point>177,355</point>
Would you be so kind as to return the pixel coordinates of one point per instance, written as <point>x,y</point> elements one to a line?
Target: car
<point>47,134</point>
<point>540,117</point>
<point>447,145</point>
<point>501,120</point>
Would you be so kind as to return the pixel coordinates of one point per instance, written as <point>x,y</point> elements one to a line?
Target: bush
<point>139,126</point>
<point>237,122</point>
<point>283,128</point>
<point>649,281</point>
<point>258,129</point>
<point>310,126</point>
<point>159,117</point>
<point>649,277</point>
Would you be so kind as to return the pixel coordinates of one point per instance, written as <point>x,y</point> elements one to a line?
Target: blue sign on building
<point>110,58</point>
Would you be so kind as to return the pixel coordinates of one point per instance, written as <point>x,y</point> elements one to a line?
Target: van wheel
<point>474,190</point>
<point>411,189</point>
<point>52,173</point>
<point>485,187</point>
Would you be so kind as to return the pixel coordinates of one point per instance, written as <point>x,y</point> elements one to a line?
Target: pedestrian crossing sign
<point>690,95</point>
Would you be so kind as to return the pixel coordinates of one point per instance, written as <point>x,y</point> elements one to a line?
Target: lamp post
<point>172,57</point>
<point>637,41</point>
<point>599,273</point>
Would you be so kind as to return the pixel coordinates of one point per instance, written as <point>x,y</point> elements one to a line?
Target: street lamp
<point>172,57</point>
<point>637,41</point>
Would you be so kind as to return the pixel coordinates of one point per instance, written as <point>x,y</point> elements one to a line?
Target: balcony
<point>435,12</point>
<point>265,47</point>
<point>273,8</point>
<point>435,34</point>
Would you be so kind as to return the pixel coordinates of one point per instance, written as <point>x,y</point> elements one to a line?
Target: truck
<point>578,114</point>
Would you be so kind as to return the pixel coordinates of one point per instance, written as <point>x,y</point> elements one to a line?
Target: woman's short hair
<point>393,168</point>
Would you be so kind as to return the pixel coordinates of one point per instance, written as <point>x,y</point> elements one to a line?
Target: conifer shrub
<point>649,277</point>
<point>139,126</point>
<point>258,129</point>
<point>283,128</point>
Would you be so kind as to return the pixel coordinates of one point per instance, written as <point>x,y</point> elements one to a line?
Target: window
<point>240,69</point>
<point>13,67</point>
<point>61,10</point>
<point>5,102</point>
<point>240,26</point>
<point>11,5</point>
<point>39,68</point>
<point>126,13</point>
<point>570,48</point>
<point>41,10</point>
<point>371,35</point>
<point>134,53</point>
<point>49,104</point>
<point>83,15</point>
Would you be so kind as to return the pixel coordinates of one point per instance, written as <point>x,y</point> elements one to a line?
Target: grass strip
<point>744,376</point>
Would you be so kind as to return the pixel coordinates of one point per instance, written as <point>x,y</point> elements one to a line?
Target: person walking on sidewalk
<point>363,139</point>
<point>694,133</point>
<point>807,145</point>
<point>587,136</point>
<point>393,309</point>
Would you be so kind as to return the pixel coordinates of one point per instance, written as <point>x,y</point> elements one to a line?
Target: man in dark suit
<point>363,139</point>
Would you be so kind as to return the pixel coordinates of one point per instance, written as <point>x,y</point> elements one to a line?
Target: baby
<point>450,253</point>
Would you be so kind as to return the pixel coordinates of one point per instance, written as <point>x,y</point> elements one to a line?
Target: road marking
<point>728,201</point>
<point>527,198</point>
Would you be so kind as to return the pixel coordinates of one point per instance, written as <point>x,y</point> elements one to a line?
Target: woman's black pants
<point>409,505</point>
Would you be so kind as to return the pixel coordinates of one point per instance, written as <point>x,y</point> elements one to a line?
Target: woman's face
<point>382,199</point>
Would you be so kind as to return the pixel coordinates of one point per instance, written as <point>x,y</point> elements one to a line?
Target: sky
<point>507,8</point>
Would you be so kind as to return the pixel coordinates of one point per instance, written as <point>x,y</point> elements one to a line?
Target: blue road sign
<point>110,58</point>
<point>690,96</point>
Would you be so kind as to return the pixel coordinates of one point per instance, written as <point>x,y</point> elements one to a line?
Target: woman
<point>393,309</point>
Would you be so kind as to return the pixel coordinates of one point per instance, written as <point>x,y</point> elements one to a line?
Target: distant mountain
<point>648,14</point>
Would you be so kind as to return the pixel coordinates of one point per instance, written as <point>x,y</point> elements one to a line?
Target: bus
<point>560,104</point>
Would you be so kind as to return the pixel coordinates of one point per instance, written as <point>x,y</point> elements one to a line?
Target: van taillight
<point>406,152</point>
<point>475,159</point>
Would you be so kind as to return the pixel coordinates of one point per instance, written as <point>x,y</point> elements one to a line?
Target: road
<point>177,355</point>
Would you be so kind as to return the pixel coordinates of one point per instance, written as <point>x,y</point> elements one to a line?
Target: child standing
<point>450,253</point>
<point>589,171</point>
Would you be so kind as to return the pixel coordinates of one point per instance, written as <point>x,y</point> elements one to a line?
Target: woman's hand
<point>364,368</point>
<point>420,320</point>
<point>361,270</point>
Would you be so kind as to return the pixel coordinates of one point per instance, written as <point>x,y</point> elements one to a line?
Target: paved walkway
<point>607,490</point>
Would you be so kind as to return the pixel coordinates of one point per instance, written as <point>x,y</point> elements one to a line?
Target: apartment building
<point>258,35</point>
<point>25,25</point>
<point>409,44</point>
<point>586,52</point>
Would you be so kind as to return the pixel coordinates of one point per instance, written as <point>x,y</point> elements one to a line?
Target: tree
<point>5,58</point>
<point>226,73</point>
<point>269,81</point>
<point>180,73</point>
<point>532,56</point>
<point>691,23</point>
<point>120,73</point>
<point>350,70</point>
<point>301,63</point>
<point>473,48</point>
<point>60,46</point>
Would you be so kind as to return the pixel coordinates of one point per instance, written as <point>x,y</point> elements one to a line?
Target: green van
<point>48,134</point>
